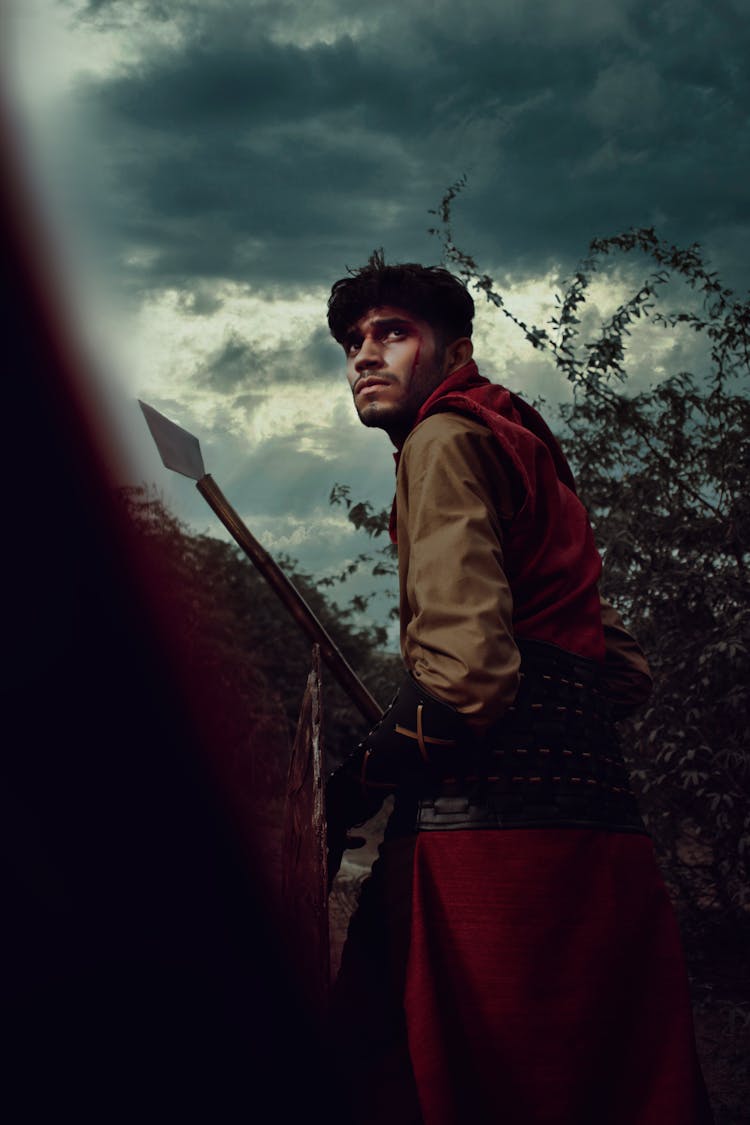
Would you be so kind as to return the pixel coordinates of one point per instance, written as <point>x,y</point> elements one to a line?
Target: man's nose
<point>370,354</point>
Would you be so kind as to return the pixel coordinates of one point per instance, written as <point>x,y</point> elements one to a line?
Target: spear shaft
<point>180,451</point>
<point>291,597</point>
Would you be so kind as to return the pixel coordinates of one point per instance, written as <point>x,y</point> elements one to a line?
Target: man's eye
<point>353,347</point>
<point>398,332</point>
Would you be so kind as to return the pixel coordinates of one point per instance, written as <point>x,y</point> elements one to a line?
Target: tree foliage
<point>663,473</point>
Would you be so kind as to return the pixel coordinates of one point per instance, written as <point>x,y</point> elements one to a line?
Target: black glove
<point>418,740</point>
<point>347,805</point>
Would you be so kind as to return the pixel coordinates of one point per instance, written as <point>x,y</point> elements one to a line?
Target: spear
<point>180,451</point>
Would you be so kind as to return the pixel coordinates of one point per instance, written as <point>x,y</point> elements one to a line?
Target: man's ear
<point>457,354</point>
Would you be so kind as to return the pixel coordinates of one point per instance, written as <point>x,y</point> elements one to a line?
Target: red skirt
<point>545,983</point>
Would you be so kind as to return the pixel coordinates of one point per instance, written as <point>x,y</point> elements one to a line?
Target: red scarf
<point>550,558</point>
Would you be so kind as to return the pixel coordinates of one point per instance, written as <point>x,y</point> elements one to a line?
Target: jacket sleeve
<point>627,676</point>
<point>456,604</point>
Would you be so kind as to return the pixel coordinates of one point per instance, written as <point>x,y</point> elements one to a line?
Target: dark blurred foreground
<point>142,977</point>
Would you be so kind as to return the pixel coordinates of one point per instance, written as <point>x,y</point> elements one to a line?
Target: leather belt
<point>531,801</point>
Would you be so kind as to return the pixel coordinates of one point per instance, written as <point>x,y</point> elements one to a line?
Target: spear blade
<point>179,450</point>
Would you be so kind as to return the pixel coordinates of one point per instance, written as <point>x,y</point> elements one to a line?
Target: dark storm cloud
<point>239,367</point>
<point>199,300</point>
<point>233,154</point>
<point>231,364</point>
<point>324,354</point>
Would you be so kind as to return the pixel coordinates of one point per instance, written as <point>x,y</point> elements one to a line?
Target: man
<point>514,958</point>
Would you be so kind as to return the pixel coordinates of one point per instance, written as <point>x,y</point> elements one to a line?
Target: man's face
<point>393,363</point>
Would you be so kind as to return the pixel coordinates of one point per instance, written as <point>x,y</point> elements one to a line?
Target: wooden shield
<point>304,864</point>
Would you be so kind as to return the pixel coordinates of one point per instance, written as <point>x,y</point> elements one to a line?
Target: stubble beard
<point>397,418</point>
<point>378,415</point>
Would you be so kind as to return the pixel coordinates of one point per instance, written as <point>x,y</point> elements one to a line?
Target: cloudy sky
<point>208,167</point>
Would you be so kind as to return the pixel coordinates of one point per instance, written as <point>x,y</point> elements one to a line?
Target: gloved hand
<point>418,739</point>
<point>347,805</point>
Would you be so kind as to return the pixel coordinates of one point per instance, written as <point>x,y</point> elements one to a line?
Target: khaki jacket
<point>456,605</point>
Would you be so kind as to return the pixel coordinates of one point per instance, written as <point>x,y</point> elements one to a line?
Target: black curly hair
<point>430,292</point>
